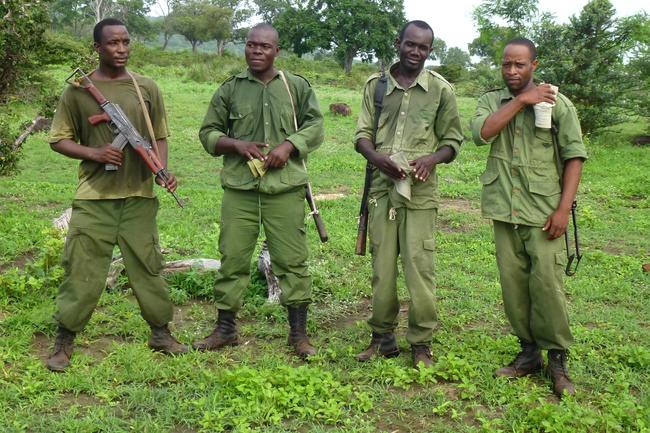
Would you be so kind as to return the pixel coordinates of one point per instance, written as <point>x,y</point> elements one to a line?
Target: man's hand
<point>422,166</point>
<point>537,94</point>
<point>278,157</point>
<point>106,154</point>
<point>387,166</point>
<point>556,223</point>
<point>249,149</point>
<point>171,182</point>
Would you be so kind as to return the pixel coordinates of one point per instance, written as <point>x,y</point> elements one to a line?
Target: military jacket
<point>416,121</point>
<point>521,183</point>
<point>133,178</point>
<point>244,108</point>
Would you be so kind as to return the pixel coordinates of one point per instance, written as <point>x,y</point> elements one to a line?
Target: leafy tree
<point>456,56</point>
<point>361,28</point>
<point>200,21</point>
<point>300,28</point>
<point>518,16</point>
<point>439,48</point>
<point>241,13</point>
<point>586,59</point>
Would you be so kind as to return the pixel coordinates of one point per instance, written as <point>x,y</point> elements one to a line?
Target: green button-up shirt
<point>521,183</point>
<point>244,108</point>
<point>416,121</point>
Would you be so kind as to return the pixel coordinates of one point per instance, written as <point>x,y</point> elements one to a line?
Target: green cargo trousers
<point>96,226</point>
<point>408,233</point>
<point>531,269</point>
<point>283,218</point>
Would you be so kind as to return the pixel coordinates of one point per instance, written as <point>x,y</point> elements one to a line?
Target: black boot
<point>224,334</point>
<point>382,344</point>
<point>59,360</point>
<point>162,340</point>
<point>559,374</point>
<point>528,361</point>
<point>298,339</point>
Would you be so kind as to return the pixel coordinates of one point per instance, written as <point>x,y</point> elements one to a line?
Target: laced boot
<point>298,339</point>
<point>421,354</point>
<point>162,340</point>
<point>59,360</point>
<point>559,374</point>
<point>382,344</point>
<point>528,361</point>
<point>224,334</point>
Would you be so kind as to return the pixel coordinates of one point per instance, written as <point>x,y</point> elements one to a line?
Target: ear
<point>97,46</point>
<point>534,64</point>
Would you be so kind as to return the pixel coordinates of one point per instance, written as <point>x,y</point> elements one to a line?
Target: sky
<point>451,20</point>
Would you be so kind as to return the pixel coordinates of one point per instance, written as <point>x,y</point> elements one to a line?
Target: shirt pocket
<point>543,150</point>
<point>286,123</point>
<point>241,122</point>
<point>492,202</point>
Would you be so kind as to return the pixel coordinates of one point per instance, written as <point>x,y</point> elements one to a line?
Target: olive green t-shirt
<point>521,183</point>
<point>133,178</point>
<point>416,121</point>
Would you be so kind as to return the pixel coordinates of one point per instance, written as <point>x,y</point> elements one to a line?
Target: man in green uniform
<point>419,128</point>
<point>110,207</point>
<point>264,122</point>
<point>530,209</point>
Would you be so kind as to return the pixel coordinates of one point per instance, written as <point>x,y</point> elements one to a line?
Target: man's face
<point>113,49</point>
<point>261,50</point>
<point>414,47</point>
<point>517,67</point>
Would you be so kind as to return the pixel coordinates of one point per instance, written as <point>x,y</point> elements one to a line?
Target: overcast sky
<point>451,20</point>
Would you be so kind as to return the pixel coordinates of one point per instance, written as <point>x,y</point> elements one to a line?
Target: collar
<point>422,80</point>
<point>247,74</point>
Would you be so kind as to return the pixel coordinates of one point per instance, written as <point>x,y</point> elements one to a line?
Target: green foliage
<point>200,21</point>
<point>63,49</point>
<point>21,34</point>
<point>8,155</point>
<point>38,279</point>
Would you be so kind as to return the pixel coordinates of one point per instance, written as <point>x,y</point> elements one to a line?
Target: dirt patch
<point>81,399</point>
<point>98,348</point>
<point>460,205</point>
<point>19,262</point>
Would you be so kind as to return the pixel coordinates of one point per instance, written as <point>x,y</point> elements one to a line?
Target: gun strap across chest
<point>147,118</point>
<point>380,91</point>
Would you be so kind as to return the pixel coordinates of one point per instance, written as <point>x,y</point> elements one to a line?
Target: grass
<point>116,384</point>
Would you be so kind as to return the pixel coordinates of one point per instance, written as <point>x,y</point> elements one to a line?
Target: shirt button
<point>514,213</point>
<point>406,93</point>
<point>518,131</point>
<point>402,113</point>
<point>266,104</point>
<point>266,123</point>
<point>398,133</point>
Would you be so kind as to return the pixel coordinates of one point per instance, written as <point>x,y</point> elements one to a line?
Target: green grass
<point>116,384</point>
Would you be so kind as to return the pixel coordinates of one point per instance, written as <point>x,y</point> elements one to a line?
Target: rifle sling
<point>147,118</point>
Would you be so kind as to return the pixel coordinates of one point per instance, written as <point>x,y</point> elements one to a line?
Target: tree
<point>241,13</point>
<point>439,47</point>
<point>79,15</point>
<point>300,28</point>
<point>361,28</point>
<point>199,21</point>
<point>586,59</point>
<point>518,16</point>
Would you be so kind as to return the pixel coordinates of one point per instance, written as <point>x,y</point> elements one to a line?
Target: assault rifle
<point>362,229</point>
<point>125,132</point>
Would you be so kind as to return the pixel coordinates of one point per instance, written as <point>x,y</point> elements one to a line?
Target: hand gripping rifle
<point>125,132</point>
<point>362,229</point>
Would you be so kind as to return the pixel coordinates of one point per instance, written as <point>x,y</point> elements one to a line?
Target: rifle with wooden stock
<point>362,229</point>
<point>125,132</point>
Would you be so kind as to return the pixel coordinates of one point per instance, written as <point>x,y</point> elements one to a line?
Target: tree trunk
<point>166,37</point>
<point>194,44</point>
<point>347,65</point>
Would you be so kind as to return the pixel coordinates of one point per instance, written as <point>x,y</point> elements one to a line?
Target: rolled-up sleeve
<point>448,128</point>
<point>215,122</point>
<point>483,111</point>
<point>365,123</point>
